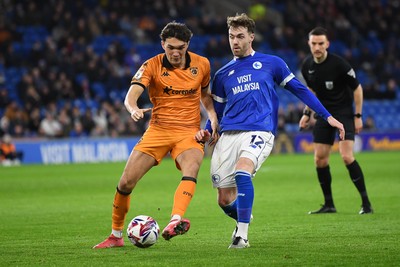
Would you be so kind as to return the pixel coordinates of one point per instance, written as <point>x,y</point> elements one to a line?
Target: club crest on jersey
<point>215,178</point>
<point>257,65</point>
<point>329,85</point>
<point>194,71</point>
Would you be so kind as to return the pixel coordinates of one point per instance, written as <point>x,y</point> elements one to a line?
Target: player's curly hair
<point>241,20</point>
<point>176,30</point>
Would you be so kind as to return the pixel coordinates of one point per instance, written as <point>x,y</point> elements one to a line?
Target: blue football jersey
<point>244,93</point>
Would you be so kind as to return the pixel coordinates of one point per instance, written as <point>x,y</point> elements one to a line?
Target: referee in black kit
<point>334,82</point>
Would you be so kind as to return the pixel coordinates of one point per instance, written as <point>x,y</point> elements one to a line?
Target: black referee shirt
<point>333,81</point>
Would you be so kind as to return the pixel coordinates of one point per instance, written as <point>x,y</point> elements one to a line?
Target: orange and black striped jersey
<point>174,93</point>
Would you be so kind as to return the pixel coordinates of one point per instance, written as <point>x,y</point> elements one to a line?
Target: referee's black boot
<point>324,209</point>
<point>367,209</point>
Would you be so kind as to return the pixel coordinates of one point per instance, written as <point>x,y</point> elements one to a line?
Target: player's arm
<point>219,101</point>
<point>309,98</point>
<point>131,99</point>
<point>211,131</point>
<point>304,122</point>
<point>207,101</point>
<point>358,102</point>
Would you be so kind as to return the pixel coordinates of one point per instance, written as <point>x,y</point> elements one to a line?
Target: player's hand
<point>358,123</point>
<point>215,133</point>
<point>304,122</point>
<point>335,123</point>
<point>202,136</point>
<point>138,114</point>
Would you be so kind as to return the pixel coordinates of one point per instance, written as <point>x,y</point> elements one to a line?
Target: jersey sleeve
<point>350,74</point>
<point>286,79</point>
<point>282,73</point>
<point>143,75</point>
<point>307,97</point>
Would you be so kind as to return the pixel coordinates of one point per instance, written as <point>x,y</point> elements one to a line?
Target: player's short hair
<point>176,30</point>
<point>318,31</point>
<point>241,20</point>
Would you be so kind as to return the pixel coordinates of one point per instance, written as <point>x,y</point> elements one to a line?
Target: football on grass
<point>143,231</point>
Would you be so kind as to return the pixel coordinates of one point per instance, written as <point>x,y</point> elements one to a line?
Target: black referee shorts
<point>323,133</point>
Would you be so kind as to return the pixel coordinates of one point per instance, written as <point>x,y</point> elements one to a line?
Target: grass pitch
<point>53,215</point>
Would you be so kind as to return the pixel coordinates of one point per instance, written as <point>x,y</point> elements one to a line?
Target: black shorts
<point>323,133</point>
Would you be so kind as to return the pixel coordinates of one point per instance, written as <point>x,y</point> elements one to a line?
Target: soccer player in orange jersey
<point>177,82</point>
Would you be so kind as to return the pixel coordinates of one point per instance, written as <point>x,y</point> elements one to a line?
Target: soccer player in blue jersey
<point>246,102</point>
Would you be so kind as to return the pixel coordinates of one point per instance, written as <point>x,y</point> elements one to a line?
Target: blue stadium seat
<point>91,103</point>
<point>148,50</point>
<point>337,47</point>
<point>99,90</point>
<point>362,76</point>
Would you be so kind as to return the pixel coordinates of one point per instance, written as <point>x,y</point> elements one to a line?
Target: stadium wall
<point>66,151</point>
<point>365,141</point>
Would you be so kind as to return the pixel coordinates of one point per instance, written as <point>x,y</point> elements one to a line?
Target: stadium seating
<point>385,112</point>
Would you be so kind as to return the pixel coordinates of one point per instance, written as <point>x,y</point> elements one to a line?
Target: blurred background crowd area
<point>65,66</point>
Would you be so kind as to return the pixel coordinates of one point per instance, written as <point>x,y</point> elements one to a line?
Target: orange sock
<point>120,209</point>
<point>183,195</point>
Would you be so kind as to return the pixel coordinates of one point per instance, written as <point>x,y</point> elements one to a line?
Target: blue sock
<point>245,196</point>
<point>231,210</point>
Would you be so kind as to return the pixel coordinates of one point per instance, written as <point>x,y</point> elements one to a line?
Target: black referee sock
<point>357,177</point>
<point>325,180</point>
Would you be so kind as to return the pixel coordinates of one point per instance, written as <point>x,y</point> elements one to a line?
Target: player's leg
<point>223,163</point>
<point>324,137</point>
<point>356,174</point>
<point>244,201</point>
<point>321,159</point>
<point>227,201</point>
<point>188,155</point>
<point>254,150</point>
<point>153,146</point>
<point>136,167</point>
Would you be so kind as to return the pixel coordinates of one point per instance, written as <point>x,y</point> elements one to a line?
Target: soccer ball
<point>143,231</point>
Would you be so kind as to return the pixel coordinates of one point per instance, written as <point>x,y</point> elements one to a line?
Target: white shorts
<point>232,145</point>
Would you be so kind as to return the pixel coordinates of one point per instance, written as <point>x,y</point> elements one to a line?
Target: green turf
<point>53,215</point>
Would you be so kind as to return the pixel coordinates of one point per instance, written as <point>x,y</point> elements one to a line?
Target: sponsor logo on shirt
<point>170,91</point>
<point>245,84</point>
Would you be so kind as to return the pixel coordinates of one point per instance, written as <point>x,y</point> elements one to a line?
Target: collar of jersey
<point>250,55</point>
<point>168,65</point>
